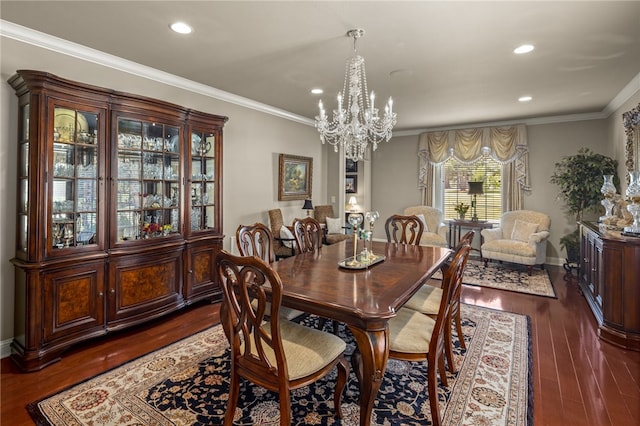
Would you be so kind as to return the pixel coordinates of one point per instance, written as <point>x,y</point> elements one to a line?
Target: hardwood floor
<point>578,379</point>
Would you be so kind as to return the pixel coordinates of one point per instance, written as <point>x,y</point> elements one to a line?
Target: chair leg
<point>285,408</point>
<point>459,329</point>
<point>485,262</point>
<point>321,323</point>
<point>234,392</point>
<point>448,349</point>
<point>343,375</point>
<point>432,388</point>
<point>443,371</point>
<point>529,269</point>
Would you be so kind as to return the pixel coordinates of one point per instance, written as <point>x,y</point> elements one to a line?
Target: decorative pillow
<point>424,222</point>
<point>334,225</point>
<point>522,230</point>
<point>285,233</point>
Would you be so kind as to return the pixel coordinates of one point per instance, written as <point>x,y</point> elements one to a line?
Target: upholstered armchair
<point>521,238</point>
<point>333,227</point>
<point>435,231</point>
<point>284,242</point>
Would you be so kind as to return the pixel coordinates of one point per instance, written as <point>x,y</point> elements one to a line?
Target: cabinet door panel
<point>201,280</point>
<point>75,301</point>
<point>141,286</point>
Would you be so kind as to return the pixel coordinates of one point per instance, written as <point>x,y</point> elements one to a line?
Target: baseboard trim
<point>5,348</point>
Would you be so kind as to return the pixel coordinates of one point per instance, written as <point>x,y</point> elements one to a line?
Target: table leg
<point>370,362</point>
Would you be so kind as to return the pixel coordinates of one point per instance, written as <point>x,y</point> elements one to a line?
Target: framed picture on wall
<point>351,166</point>
<point>351,184</point>
<point>294,177</point>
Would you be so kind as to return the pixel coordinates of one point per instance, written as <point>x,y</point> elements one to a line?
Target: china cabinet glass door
<point>148,176</point>
<point>203,185</point>
<point>23,179</point>
<point>75,190</point>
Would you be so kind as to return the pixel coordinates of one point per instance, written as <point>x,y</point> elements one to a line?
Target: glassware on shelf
<point>633,193</point>
<point>609,191</point>
<point>355,219</point>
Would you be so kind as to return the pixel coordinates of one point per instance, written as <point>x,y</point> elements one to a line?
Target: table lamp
<point>307,206</point>
<point>353,203</point>
<point>475,189</point>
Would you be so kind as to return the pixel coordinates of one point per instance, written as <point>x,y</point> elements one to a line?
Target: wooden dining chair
<point>274,353</point>
<point>308,235</point>
<point>257,240</point>
<point>428,298</point>
<point>404,229</point>
<point>414,336</point>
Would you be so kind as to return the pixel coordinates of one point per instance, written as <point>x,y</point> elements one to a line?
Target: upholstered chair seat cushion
<point>306,349</point>
<point>426,300</point>
<point>410,332</point>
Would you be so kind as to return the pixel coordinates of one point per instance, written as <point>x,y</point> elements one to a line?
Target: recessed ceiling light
<point>525,48</point>
<point>317,91</point>
<point>181,27</point>
<point>524,98</point>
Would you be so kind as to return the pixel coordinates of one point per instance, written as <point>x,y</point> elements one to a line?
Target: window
<point>455,178</point>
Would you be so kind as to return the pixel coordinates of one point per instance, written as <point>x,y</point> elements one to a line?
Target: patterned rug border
<point>40,419</point>
<point>510,268</point>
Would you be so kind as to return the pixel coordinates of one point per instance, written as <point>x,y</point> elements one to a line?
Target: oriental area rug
<point>187,383</point>
<point>509,277</point>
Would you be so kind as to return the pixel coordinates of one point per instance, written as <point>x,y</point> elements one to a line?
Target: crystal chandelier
<point>357,125</point>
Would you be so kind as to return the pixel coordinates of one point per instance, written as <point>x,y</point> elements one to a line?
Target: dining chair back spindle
<point>404,229</point>
<point>308,235</point>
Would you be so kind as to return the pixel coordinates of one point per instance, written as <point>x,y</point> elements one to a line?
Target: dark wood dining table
<point>363,299</point>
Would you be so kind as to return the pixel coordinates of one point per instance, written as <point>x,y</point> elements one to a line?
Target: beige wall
<point>252,142</point>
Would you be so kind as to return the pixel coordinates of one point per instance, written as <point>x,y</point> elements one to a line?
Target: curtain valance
<point>503,144</point>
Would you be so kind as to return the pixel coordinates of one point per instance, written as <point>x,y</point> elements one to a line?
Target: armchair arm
<point>443,231</point>
<point>491,234</point>
<point>537,237</point>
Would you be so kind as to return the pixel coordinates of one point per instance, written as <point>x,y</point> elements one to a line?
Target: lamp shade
<point>475,188</point>
<point>307,205</point>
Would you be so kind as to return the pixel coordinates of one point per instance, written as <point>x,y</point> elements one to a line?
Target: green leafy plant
<point>579,177</point>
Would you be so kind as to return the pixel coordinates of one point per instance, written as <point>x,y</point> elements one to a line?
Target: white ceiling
<point>446,63</point>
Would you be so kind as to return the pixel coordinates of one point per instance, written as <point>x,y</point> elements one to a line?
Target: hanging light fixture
<point>355,123</point>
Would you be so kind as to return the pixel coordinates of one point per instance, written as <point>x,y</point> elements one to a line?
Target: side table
<point>456,226</point>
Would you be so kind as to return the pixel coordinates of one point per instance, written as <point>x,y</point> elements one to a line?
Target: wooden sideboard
<point>610,281</point>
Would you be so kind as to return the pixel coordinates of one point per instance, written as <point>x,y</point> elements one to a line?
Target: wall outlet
<point>333,199</point>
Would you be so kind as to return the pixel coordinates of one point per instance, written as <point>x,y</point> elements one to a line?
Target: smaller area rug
<point>509,277</point>
<point>187,383</point>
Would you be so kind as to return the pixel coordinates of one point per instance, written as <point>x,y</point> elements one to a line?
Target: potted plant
<point>580,179</point>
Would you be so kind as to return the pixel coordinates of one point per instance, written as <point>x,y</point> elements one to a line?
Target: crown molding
<point>65,47</point>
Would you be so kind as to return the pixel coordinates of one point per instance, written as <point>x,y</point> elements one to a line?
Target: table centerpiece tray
<point>360,261</point>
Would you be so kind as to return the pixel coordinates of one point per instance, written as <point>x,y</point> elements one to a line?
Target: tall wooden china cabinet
<point>119,214</point>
